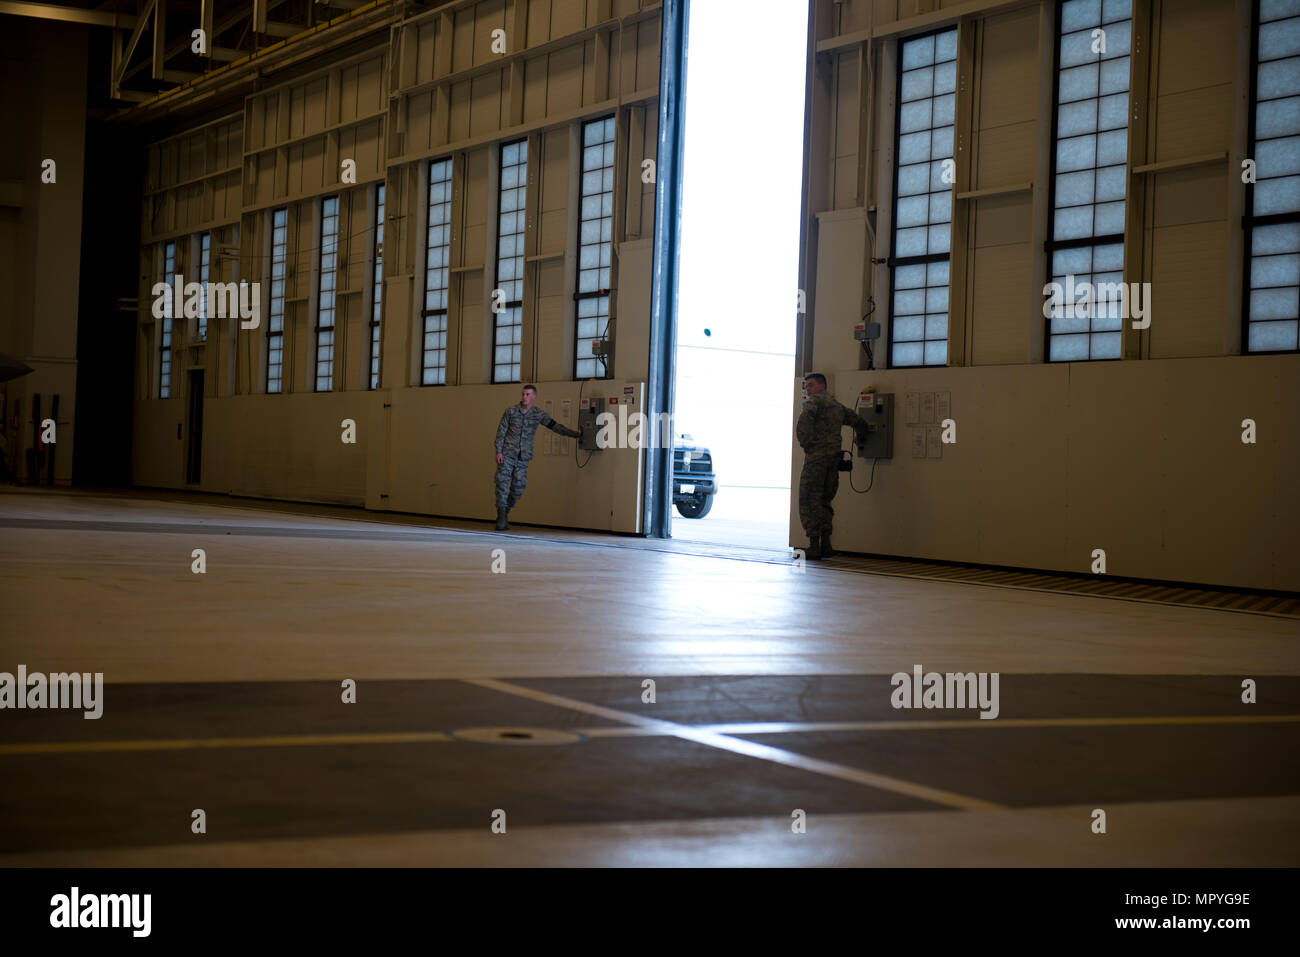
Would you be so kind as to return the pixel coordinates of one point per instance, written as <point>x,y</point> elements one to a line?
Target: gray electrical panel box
<point>587,422</point>
<point>877,408</point>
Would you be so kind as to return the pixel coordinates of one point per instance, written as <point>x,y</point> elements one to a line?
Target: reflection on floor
<point>675,708</point>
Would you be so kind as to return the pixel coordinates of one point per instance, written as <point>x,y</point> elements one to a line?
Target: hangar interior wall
<point>456,84</point>
<point>1141,456</point>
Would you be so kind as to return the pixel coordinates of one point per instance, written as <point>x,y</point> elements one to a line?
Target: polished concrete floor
<point>519,696</point>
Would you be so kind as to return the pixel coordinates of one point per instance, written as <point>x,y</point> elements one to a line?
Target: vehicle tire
<point>697,507</point>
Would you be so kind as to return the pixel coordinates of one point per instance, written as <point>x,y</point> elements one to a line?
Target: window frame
<point>167,324</point>
<point>324,275</point>
<point>893,261</point>
<point>444,311</point>
<point>377,287</point>
<point>1249,221</point>
<point>272,334</point>
<point>578,295</point>
<point>1051,245</point>
<point>496,265</point>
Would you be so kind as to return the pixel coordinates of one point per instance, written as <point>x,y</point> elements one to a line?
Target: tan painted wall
<point>435,89</point>
<point>1141,456</point>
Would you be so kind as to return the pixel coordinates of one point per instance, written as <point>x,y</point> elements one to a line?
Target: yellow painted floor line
<point>655,728</point>
<point>185,744</point>
<point>752,749</point>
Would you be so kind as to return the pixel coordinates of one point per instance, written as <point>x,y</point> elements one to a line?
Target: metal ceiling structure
<point>197,46</point>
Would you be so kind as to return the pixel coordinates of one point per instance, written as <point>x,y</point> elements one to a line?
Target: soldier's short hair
<point>816,376</point>
<point>530,386</point>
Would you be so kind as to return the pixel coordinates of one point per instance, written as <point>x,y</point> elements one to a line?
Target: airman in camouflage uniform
<point>818,432</point>
<point>514,447</point>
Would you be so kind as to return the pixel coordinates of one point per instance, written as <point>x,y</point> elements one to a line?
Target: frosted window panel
<point>910,242</point>
<point>1069,348</point>
<point>936,178</point>
<point>1278,78</point>
<point>908,329</point>
<point>1272,336</point>
<point>917,84</point>
<point>1118,40</point>
<point>1282,238</point>
<point>1114,76</point>
<point>587,328</point>
<point>1076,48</point>
<point>1078,152</point>
<point>1280,195</point>
<point>1074,119</point>
<point>937,274</point>
<point>940,236</point>
<point>936,353</point>
<point>941,207</point>
<point>1112,148</point>
<point>913,148</point>
<point>1276,9</point>
<point>936,327</point>
<point>941,144</point>
<point>1274,271</point>
<point>592,182</point>
<point>1110,184</point>
<point>1277,118</point>
<point>913,179</point>
<point>1112,112</point>
<point>1066,323</point>
<point>587,307</point>
<point>909,301</point>
<point>909,277</point>
<point>1278,157</point>
<point>1073,223</point>
<point>1108,218</point>
<point>936,299</point>
<point>912,211</point>
<point>1078,83</point>
<point>914,116</point>
<point>1105,345</point>
<point>1071,261</point>
<point>918,53</point>
<point>589,257</point>
<point>1076,14</point>
<point>945,77</point>
<point>945,46</point>
<point>1275,303</point>
<point>1279,39</point>
<point>908,354</point>
<point>606,204</point>
<point>1110,256</point>
<point>1075,189</point>
<point>1116,10</point>
<point>944,107</point>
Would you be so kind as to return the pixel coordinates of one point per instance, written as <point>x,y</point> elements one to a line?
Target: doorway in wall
<point>194,432</point>
<point>737,293</point>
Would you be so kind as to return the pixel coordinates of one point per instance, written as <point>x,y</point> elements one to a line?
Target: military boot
<point>824,543</point>
<point>502,524</point>
<point>814,549</point>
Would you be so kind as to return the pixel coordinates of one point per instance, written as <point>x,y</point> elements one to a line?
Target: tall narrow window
<point>205,275</point>
<point>1273,203</point>
<point>165,328</point>
<point>927,81</point>
<point>326,286</point>
<point>507,312</point>
<point>275,321</point>
<point>377,297</point>
<point>438,246</point>
<point>595,231</point>
<point>1089,174</point>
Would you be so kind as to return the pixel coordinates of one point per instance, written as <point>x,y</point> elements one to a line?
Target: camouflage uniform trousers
<point>818,483</point>
<point>510,480</point>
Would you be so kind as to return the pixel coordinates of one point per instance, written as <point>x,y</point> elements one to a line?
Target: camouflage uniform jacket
<point>818,429</point>
<point>517,428</point>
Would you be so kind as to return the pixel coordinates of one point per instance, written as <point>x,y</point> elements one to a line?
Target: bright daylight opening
<point>738,282</point>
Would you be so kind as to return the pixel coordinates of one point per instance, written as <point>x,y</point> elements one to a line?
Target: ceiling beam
<point>52,11</point>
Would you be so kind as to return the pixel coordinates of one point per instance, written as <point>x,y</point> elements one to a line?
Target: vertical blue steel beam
<point>658,499</point>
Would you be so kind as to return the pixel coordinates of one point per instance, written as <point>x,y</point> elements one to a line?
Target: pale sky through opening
<point>740,234</point>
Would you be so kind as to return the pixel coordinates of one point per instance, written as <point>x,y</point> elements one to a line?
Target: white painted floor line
<point>751,749</point>
<point>813,727</point>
